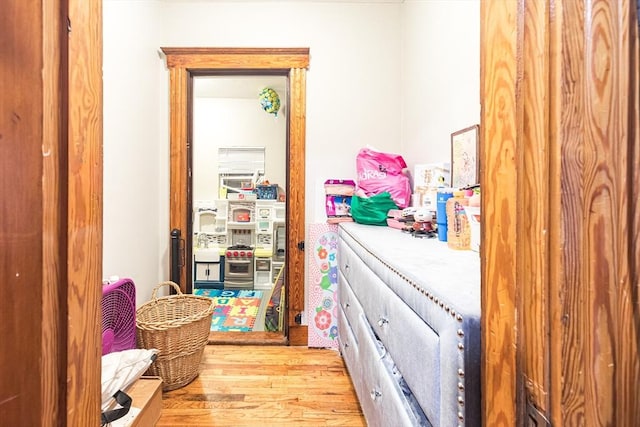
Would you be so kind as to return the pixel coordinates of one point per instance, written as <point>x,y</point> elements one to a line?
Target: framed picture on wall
<point>465,169</point>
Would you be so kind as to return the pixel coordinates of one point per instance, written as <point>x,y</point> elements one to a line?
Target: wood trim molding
<point>83,239</point>
<point>179,131</point>
<point>296,224</point>
<point>498,160</point>
<point>202,58</point>
<point>535,207</point>
<point>53,255</point>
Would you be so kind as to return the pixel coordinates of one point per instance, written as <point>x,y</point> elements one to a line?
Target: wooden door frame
<point>183,64</point>
<point>80,185</point>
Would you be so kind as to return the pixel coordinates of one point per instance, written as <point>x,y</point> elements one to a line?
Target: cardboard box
<point>146,395</point>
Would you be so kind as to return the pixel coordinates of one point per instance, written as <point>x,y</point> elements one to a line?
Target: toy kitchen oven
<point>239,256</point>
<point>238,267</point>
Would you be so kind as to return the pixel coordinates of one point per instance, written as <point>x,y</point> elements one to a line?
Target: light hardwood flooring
<point>247,385</point>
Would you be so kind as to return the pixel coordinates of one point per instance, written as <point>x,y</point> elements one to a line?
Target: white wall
<point>235,122</point>
<point>135,149</point>
<point>440,76</point>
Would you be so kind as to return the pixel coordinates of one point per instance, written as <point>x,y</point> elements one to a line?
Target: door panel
<point>21,244</point>
<point>559,153</point>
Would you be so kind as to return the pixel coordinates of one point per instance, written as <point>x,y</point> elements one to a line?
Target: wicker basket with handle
<point>178,326</point>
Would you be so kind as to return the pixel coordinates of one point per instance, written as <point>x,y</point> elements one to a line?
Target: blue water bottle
<point>444,194</point>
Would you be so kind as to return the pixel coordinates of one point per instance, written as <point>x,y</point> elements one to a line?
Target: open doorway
<point>184,65</point>
<point>238,159</point>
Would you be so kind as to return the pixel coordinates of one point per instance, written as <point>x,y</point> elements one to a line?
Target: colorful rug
<point>235,310</point>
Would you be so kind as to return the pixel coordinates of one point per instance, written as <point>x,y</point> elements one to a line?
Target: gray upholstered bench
<point>409,327</point>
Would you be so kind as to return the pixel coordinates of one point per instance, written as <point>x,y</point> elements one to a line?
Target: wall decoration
<point>465,169</point>
<point>322,305</point>
<point>269,101</point>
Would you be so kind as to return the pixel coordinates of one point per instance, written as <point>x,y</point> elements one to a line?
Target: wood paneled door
<point>560,174</point>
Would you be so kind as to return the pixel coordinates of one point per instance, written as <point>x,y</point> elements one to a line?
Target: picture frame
<point>465,168</point>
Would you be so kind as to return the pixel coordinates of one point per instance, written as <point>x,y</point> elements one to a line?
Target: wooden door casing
<point>498,133</point>
<point>561,234</point>
<point>185,62</point>
<point>81,239</point>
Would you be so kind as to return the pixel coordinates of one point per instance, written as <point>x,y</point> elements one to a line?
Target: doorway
<point>239,165</point>
<point>186,63</point>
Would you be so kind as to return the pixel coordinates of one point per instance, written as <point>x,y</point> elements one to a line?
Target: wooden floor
<point>246,385</point>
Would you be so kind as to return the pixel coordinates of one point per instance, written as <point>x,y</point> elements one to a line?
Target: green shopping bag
<point>372,210</point>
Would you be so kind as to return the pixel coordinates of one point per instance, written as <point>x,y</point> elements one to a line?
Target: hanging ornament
<point>269,101</point>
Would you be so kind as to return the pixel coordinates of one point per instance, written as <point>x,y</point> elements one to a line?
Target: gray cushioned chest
<point>410,308</point>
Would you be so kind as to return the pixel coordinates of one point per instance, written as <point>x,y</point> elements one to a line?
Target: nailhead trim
<point>412,283</point>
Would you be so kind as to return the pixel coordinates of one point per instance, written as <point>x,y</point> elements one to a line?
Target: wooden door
<point>51,221</point>
<point>561,219</point>
<point>183,63</point>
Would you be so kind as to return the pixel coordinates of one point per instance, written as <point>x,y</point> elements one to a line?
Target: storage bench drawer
<point>380,394</point>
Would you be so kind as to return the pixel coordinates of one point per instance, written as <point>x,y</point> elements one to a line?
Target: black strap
<point>124,400</point>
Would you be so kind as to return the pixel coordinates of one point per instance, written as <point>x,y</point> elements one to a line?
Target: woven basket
<point>178,326</point>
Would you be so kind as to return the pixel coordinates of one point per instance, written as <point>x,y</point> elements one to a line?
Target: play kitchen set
<point>239,242</point>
